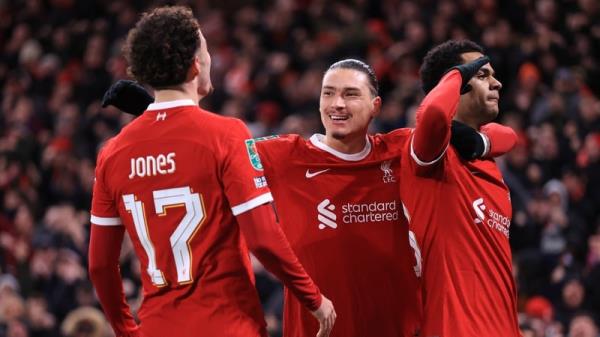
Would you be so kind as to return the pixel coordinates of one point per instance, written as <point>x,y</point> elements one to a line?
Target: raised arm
<point>434,116</point>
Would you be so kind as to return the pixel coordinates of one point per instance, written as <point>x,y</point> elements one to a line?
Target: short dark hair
<point>443,57</point>
<point>363,68</point>
<point>161,47</point>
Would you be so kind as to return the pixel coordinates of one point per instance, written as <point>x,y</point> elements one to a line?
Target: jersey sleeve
<point>104,207</point>
<point>268,243</point>
<point>502,138</point>
<point>103,265</point>
<point>272,150</point>
<point>434,118</point>
<point>243,174</point>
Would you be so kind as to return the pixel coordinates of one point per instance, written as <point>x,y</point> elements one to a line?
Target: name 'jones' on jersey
<point>148,166</point>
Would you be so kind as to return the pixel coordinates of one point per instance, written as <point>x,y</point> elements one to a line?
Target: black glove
<point>467,141</point>
<point>127,96</point>
<point>468,70</point>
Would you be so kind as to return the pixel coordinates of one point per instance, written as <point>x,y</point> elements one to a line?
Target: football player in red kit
<point>180,181</point>
<point>337,198</point>
<point>341,190</point>
<point>459,210</point>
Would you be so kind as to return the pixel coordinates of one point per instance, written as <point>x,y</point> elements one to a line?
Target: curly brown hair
<point>161,47</point>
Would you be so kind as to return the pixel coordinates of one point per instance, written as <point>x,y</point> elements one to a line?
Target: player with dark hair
<point>185,186</point>
<point>459,210</point>
<point>338,202</point>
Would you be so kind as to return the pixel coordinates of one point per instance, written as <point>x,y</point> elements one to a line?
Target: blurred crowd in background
<point>57,57</point>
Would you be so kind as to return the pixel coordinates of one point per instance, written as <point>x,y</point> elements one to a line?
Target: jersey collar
<point>317,140</point>
<point>171,104</point>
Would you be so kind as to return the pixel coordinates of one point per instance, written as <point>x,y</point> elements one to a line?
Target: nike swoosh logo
<point>314,174</point>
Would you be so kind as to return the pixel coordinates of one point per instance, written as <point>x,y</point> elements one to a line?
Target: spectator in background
<point>583,325</point>
<point>85,322</point>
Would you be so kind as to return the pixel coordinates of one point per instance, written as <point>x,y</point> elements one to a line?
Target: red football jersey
<point>342,216</point>
<point>460,212</point>
<point>175,178</point>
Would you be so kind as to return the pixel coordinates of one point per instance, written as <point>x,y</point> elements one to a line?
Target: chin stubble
<point>338,136</point>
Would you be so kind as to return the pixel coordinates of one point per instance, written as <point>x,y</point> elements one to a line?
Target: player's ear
<point>376,106</point>
<point>194,69</point>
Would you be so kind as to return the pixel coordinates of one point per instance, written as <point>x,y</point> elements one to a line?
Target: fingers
<point>480,62</point>
<point>326,325</point>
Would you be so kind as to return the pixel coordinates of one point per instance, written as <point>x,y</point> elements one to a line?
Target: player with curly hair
<point>192,196</point>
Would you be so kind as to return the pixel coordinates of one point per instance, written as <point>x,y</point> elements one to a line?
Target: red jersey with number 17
<point>177,192</point>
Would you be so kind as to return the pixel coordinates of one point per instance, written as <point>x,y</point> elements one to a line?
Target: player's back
<point>460,212</point>
<point>342,216</point>
<point>170,171</point>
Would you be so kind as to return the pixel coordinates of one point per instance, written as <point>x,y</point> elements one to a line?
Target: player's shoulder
<point>275,140</point>
<point>393,141</point>
<point>279,142</point>
<point>200,126</point>
<point>108,150</point>
<point>279,147</point>
<point>398,136</point>
<point>224,125</point>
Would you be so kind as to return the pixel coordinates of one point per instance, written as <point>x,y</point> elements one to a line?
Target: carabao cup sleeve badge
<point>253,154</point>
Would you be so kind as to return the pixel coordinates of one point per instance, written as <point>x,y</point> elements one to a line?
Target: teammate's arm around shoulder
<point>501,138</point>
<point>492,140</point>
<point>247,192</point>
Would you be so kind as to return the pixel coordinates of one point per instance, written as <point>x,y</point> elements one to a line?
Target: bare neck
<point>176,93</point>
<point>347,145</point>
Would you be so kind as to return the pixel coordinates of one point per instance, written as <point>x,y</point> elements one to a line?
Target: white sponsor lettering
<point>149,166</point>
<point>494,219</point>
<point>356,213</point>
